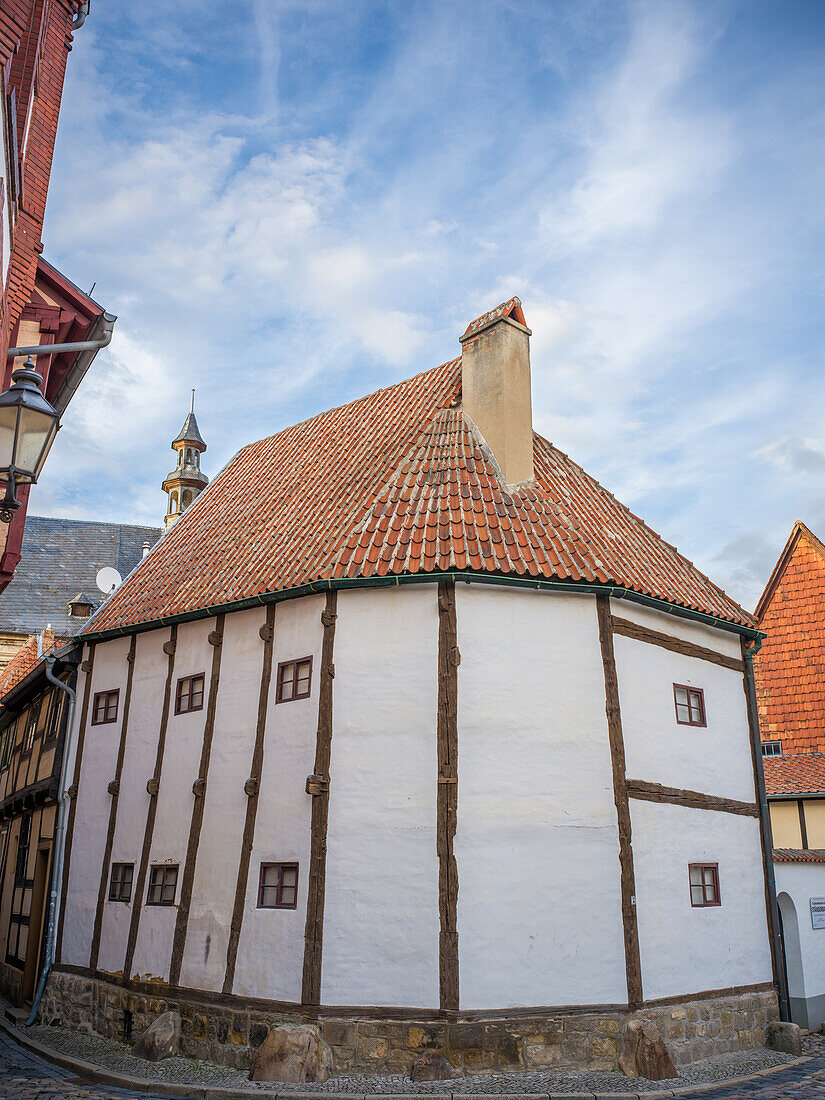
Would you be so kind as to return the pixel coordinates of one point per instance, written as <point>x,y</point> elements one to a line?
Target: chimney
<point>495,382</point>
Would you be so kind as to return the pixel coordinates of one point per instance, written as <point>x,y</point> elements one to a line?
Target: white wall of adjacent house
<point>539,909</point>
<point>93,801</point>
<point>381,923</point>
<point>219,848</point>
<point>145,711</point>
<point>271,947</point>
<point>687,949</point>
<point>179,769</point>
<point>713,759</point>
<point>796,885</point>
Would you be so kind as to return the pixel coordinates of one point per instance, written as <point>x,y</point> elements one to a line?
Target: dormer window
<point>81,606</point>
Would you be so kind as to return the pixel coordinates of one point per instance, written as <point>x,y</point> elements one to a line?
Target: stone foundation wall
<point>230,1035</point>
<point>11,983</point>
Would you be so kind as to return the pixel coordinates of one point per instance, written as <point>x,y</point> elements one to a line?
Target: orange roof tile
<point>800,774</point>
<point>398,483</point>
<point>799,855</point>
<point>26,660</point>
<point>790,668</point>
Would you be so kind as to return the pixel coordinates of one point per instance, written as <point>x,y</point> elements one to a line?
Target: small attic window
<point>80,607</point>
<point>771,748</point>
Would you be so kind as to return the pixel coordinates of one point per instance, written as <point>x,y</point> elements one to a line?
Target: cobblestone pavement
<point>24,1076</point>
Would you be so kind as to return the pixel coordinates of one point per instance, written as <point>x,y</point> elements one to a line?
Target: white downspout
<point>57,841</point>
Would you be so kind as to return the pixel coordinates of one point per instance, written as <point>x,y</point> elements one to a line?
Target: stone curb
<point>90,1072</point>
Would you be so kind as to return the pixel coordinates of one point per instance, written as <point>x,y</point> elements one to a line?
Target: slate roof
<point>790,668</point>
<point>799,855</point>
<point>398,483</point>
<point>190,432</point>
<point>61,557</point>
<point>800,774</point>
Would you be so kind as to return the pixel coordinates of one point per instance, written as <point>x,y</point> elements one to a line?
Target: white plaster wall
<point>93,799</point>
<point>233,740</point>
<point>803,881</point>
<point>714,759</point>
<point>539,910</point>
<point>723,641</point>
<point>381,918</point>
<point>685,949</point>
<point>179,770</point>
<point>271,948</point>
<point>145,710</point>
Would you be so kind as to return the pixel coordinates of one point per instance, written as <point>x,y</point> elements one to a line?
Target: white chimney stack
<point>495,380</point>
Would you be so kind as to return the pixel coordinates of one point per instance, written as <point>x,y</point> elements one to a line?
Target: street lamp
<point>28,425</point>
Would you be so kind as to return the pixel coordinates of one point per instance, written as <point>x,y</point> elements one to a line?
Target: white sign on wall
<point>818,912</point>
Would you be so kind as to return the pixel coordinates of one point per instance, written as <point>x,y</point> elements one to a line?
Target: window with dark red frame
<point>704,884</point>
<point>104,707</point>
<point>278,888</point>
<point>690,705</point>
<point>294,680</point>
<point>163,881</point>
<point>189,694</point>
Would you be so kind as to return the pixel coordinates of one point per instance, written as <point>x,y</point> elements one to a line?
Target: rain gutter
<point>341,583</point>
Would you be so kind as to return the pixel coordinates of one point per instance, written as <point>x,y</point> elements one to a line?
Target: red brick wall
<point>790,669</point>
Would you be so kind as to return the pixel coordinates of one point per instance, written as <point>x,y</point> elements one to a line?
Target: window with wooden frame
<point>31,725</point>
<point>690,705</point>
<point>704,884</point>
<point>189,694</point>
<point>278,887</point>
<point>7,740</point>
<point>104,707</point>
<point>163,881</point>
<point>294,680</point>
<point>55,710</point>
<point>771,748</point>
<point>120,882</point>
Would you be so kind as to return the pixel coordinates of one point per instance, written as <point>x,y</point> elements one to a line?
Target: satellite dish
<point>108,579</point>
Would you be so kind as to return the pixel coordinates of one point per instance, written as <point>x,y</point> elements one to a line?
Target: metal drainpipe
<point>80,18</point>
<point>767,837</point>
<point>79,345</point>
<point>57,842</point>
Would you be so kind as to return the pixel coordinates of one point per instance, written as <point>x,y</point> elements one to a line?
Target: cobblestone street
<point>24,1076</point>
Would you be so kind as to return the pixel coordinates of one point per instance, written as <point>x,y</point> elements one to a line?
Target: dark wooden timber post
<point>314,933</point>
<point>199,792</point>
<point>633,964</point>
<point>115,790</point>
<point>447,794</point>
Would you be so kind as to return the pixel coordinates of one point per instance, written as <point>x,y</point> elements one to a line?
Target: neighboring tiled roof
<point>790,669</point>
<point>26,660</point>
<point>799,855</point>
<point>398,482</point>
<point>801,774</point>
<point>61,557</point>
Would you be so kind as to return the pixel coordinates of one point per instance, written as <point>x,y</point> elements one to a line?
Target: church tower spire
<point>187,480</point>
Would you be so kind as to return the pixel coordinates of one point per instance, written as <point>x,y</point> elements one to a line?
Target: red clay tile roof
<point>26,660</point>
<point>790,669</point>
<point>801,774</point>
<point>397,483</point>
<point>506,309</point>
<point>799,855</point>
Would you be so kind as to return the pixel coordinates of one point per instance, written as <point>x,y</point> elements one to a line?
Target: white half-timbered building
<point>408,726</point>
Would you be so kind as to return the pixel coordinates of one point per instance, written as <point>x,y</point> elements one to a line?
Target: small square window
<point>163,881</point>
<point>104,707</point>
<point>278,887</point>
<point>189,694</point>
<point>294,680</point>
<point>704,884</point>
<point>771,748</point>
<point>690,705</point>
<point>120,884</point>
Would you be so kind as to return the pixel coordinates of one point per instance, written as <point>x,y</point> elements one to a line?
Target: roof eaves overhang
<point>327,585</point>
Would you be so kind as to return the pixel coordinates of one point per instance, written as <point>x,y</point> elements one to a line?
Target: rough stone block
<point>785,1037</point>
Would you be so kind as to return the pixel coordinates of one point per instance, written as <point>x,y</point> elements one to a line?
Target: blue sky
<point>290,203</point>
